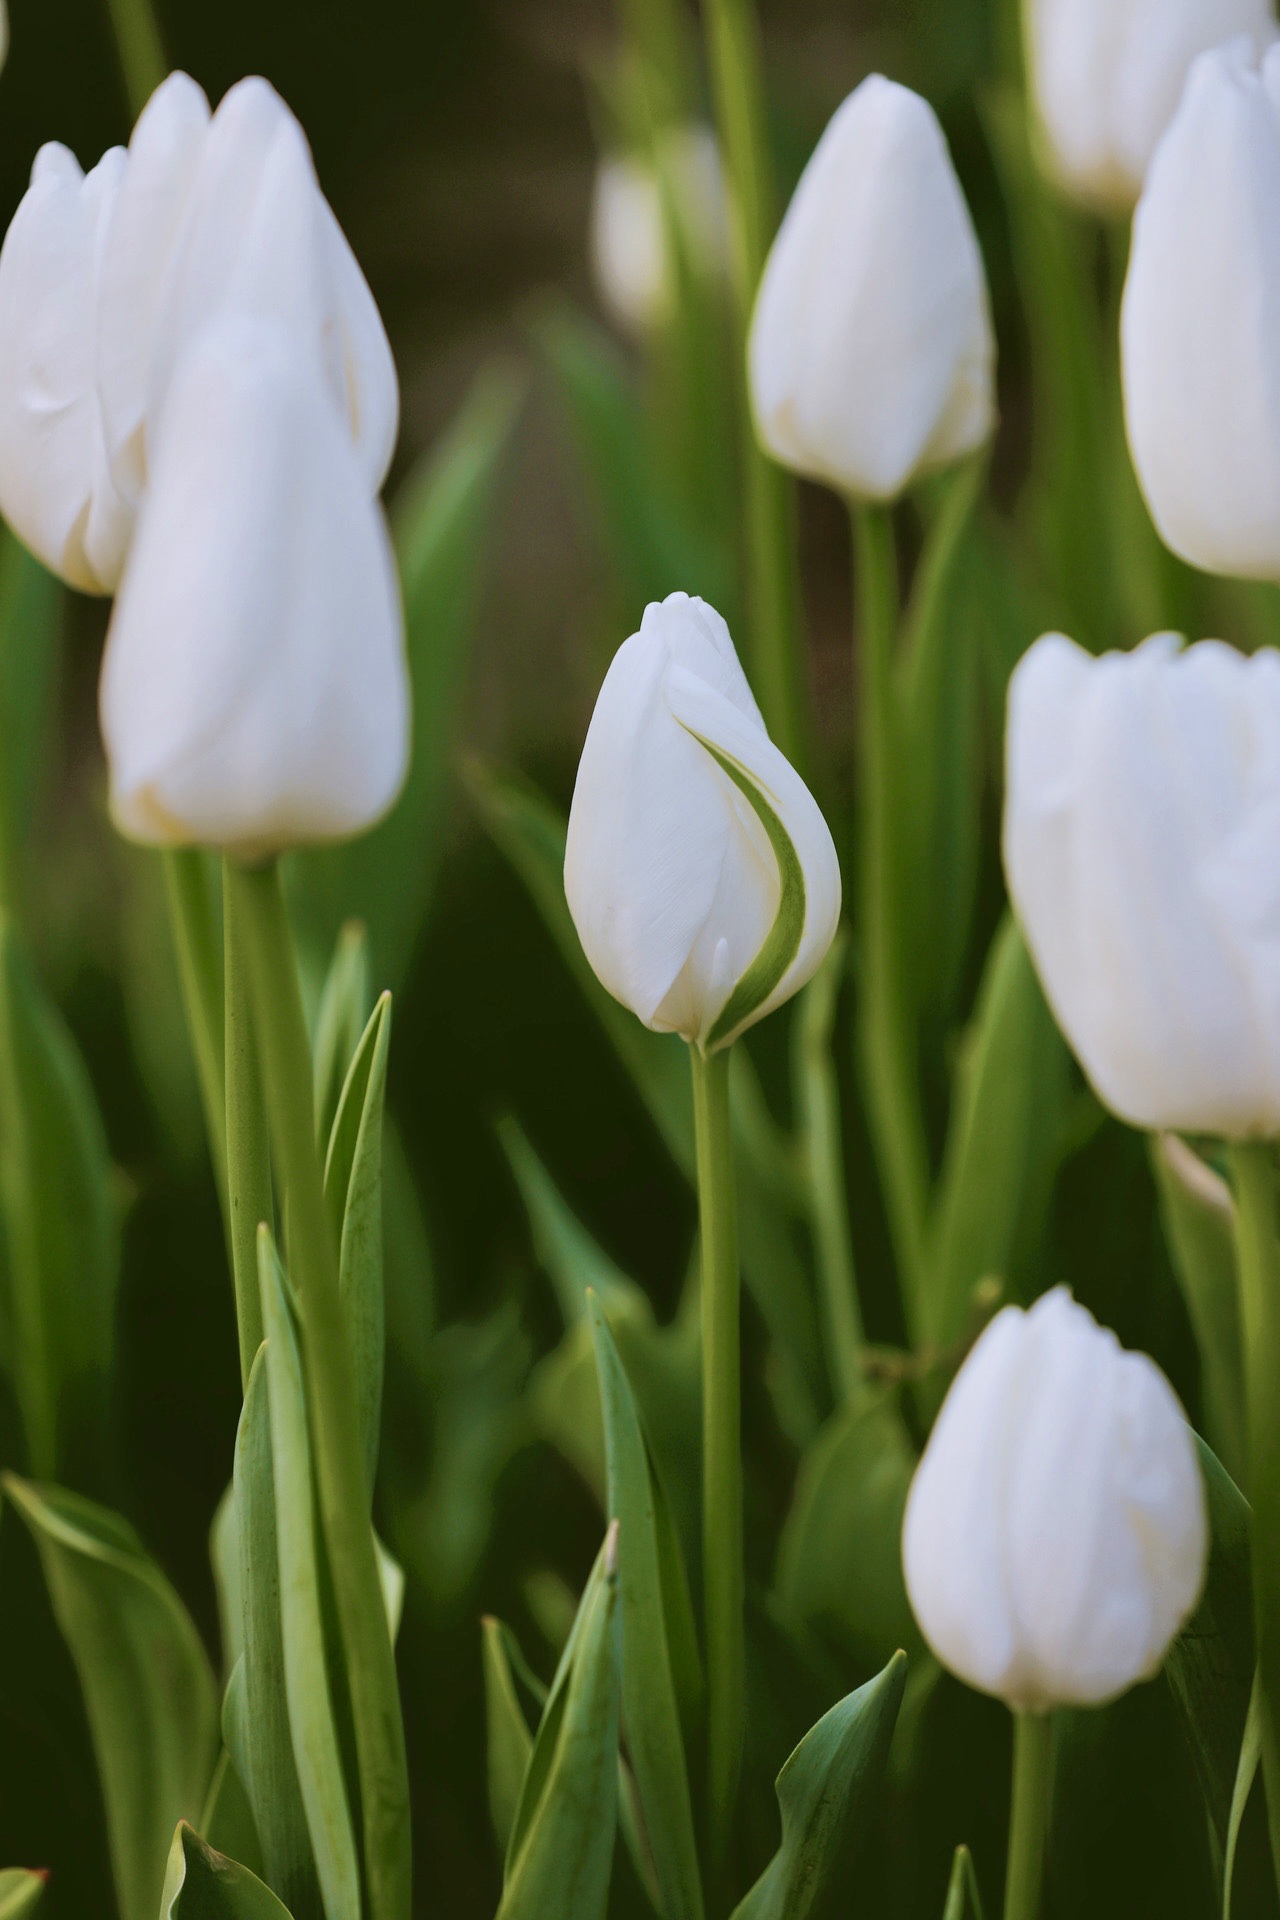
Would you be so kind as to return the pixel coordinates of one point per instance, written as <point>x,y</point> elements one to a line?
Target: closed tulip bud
<point>1201,357</point>
<point>254,691</point>
<point>872,354</point>
<point>1106,77</point>
<point>1143,792</point>
<point>630,245</point>
<point>699,870</point>
<point>1055,1538</point>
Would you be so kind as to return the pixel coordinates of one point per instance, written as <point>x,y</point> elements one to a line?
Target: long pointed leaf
<point>203,1885</point>
<point>964,1902</point>
<point>20,1890</point>
<point>508,1740</point>
<point>353,1193</point>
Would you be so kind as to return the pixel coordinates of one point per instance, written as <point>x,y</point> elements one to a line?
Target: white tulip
<point>56,488</point>
<point>872,353</point>
<point>1055,1538</point>
<point>254,691</point>
<point>1106,77</point>
<point>1141,824</point>
<point>699,871</point>
<point>1200,350</point>
<point>630,250</point>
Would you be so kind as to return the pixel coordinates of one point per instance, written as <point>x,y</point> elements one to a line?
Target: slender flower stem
<point>885,1036</point>
<point>1029,1816</point>
<point>258,905</point>
<point>733,50</point>
<point>1254,1178</point>
<point>721,1445</point>
<point>141,49</point>
<point>818,1102</point>
<point>248,1146</point>
<point>193,920</point>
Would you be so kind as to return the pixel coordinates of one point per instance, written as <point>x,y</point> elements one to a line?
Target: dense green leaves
<point>825,1794</point>
<point>203,1885</point>
<point>148,1688</point>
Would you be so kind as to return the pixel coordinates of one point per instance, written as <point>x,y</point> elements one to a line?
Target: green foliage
<point>508,1740</point>
<point>964,1902</point>
<point>20,1892</point>
<point>201,1884</point>
<point>1199,1224</point>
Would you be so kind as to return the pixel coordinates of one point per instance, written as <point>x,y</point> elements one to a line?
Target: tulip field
<point>640,960</point>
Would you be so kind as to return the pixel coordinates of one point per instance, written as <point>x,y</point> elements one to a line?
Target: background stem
<point>197,944</point>
<point>248,1146</point>
<point>1029,1814</point>
<point>818,1102</point>
<point>721,1445</point>
<point>1253,1173</point>
<point>340,1462</point>
<point>141,48</point>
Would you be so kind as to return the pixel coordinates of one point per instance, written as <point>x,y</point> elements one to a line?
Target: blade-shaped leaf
<point>63,1258</point>
<point>508,1739</point>
<point>353,1193</point>
<point>1246,1773</point>
<point>1199,1224</point>
<point>825,1795</point>
<point>228,1818</point>
<point>341,1018</point>
<point>964,1902</point>
<point>147,1683</point>
<point>20,1889</point>
<point>203,1885</point>
<point>650,1699</point>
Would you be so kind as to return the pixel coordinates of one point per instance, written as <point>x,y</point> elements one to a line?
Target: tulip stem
<point>141,48</point>
<point>1254,1179</point>
<point>194,924</point>
<point>342,1473</point>
<point>818,1102</point>
<point>886,1041</point>
<point>777,666</point>
<point>722,1577</point>
<point>248,1147</point>
<point>1029,1814</point>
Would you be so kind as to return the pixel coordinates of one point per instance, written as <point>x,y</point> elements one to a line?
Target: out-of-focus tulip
<point>872,353</point>
<point>1107,75</point>
<point>1140,832</point>
<point>630,246</point>
<point>700,872</point>
<point>1055,1537</point>
<point>56,488</point>
<point>254,692</point>
<point>1201,351</point>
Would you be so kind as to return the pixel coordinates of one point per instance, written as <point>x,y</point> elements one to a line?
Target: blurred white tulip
<point>699,906</point>
<point>254,691</point>
<point>1200,347</point>
<point>1106,76</point>
<point>872,354</point>
<point>1055,1538</point>
<point>1142,818</point>
<point>630,246</point>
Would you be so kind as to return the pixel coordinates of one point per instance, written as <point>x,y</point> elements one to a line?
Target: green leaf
<point>1199,1224</point>
<point>561,1852</point>
<point>147,1684</point>
<point>508,1740</point>
<point>353,1193</point>
<point>20,1889</point>
<point>825,1794</point>
<point>964,1902</point>
<point>341,1018</point>
<point>840,1558</point>
<point>650,1696</point>
<point>312,1727</point>
<point>63,1257</point>
<point>567,1254</point>
<point>31,606</point>
<point>1005,1137</point>
<point>1210,1665</point>
<point>1246,1773</point>
<point>228,1820</point>
<point>203,1885</point>
<point>441,524</point>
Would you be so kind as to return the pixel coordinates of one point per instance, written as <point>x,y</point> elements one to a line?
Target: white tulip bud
<point>1143,792</point>
<point>1055,1538</point>
<point>1106,77</point>
<point>630,247</point>
<point>254,691</point>
<point>56,488</point>
<point>699,871</point>
<point>872,353</point>
<point>1201,356</point>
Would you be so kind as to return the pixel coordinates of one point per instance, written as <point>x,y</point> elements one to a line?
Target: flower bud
<point>1055,1538</point>
<point>1142,796</point>
<point>630,248</point>
<point>254,690</point>
<point>699,870</point>
<point>872,354</point>
<point>1200,353</point>
<point>1106,77</point>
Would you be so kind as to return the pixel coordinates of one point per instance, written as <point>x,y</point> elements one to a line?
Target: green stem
<point>141,48</point>
<point>733,50</point>
<point>886,1039</point>
<point>340,1462</point>
<point>193,920</point>
<point>1254,1179</point>
<point>721,1445</point>
<point>1029,1815</point>
<point>818,1103</point>
<point>248,1146</point>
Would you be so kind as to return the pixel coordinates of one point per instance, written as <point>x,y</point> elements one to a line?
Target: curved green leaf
<point>508,1740</point>
<point>20,1889</point>
<point>1198,1213</point>
<point>353,1193</point>
<point>341,1018</point>
<point>228,1818</point>
<point>200,1884</point>
<point>782,942</point>
<point>1246,1773</point>
<point>964,1902</point>
<point>147,1683</point>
